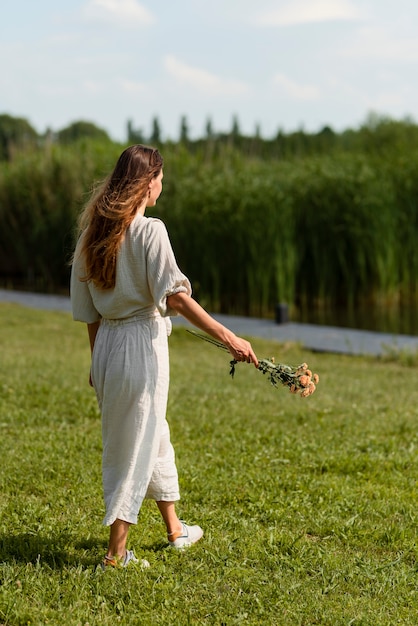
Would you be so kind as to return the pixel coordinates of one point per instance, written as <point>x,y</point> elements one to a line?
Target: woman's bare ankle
<point>174,534</point>
<point>115,555</point>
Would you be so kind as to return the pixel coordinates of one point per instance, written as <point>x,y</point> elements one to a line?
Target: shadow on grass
<point>58,551</point>
<point>157,546</point>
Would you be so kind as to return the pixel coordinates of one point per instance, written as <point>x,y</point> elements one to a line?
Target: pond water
<point>386,319</point>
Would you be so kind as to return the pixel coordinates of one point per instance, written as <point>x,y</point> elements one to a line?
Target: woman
<point>125,283</point>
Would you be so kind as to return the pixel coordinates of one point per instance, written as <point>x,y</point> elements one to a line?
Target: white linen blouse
<point>146,273</point>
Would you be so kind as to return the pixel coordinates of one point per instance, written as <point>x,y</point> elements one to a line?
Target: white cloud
<point>379,43</point>
<point>125,12</point>
<point>203,80</point>
<point>86,88</point>
<point>92,87</point>
<point>303,11</point>
<point>132,87</point>
<point>387,101</point>
<point>294,90</point>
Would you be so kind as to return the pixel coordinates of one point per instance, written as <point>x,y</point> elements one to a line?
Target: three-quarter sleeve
<point>82,305</point>
<point>163,274</point>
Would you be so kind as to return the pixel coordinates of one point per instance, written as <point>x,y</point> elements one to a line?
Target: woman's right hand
<point>241,350</point>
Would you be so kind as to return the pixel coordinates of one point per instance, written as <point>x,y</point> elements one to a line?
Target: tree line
<point>376,134</point>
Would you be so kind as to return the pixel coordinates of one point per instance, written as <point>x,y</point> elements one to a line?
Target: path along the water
<point>310,336</point>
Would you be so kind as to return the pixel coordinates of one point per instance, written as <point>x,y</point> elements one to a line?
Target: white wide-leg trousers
<point>130,374</point>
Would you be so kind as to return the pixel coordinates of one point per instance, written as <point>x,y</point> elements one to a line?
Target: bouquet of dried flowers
<point>299,380</point>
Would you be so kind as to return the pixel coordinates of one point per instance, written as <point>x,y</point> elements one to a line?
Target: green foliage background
<point>308,220</point>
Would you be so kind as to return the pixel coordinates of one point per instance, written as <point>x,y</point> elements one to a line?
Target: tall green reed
<point>250,232</point>
<point>346,225</point>
<point>232,228</point>
<point>40,195</point>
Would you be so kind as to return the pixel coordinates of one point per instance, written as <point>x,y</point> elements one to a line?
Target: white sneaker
<point>118,563</point>
<point>189,536</point>
<point>129,558</point>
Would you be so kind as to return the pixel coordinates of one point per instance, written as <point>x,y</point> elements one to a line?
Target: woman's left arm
<point>92,332</point>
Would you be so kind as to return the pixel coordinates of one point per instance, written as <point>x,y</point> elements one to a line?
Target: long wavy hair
<point>111,209</point>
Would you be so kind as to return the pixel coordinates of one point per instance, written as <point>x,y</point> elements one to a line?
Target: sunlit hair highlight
<point>112,208</point>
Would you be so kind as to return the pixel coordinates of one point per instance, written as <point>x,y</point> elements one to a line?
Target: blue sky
<point>278,64</point>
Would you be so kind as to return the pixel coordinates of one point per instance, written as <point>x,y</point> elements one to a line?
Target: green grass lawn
<point>308,505</point>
